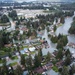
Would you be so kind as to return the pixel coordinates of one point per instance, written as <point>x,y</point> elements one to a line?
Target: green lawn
<point>14,57</point>
<point>59,25</point>
<point>4,24</point>
<point>48,11</point>
<point>33,52</point>
<point>1,61</point>
<point>13,64</point>
<point>2,53</point>
<point>55,68</point>
<point>23,47</point>
<point>25,55</point>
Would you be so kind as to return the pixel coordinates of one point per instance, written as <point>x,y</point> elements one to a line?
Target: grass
<point>37,44</point>
<point>59,25</point>
<point>14,57</point>
<point>4,24</point>
<point>2,53</point>
<point>1,61</point>
<point>49,11</point>
<point>13,64</point>
<point>33,52</point>
<point>23,47</point>
<point>54,61</point>
<point>55,68</point>
<point>25,55</point>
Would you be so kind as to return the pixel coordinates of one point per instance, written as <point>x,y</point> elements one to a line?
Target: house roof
<point>32,48</point>
<point>25,72</point>
<point>39,70</point>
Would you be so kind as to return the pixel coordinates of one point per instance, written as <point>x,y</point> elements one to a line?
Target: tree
<point>60,36</point>
<point>64,40</point>
<point>60,45</point>
<point>72,69</point>
<point>9,54</point>
<point>29,63</point>
<point>54,28</point>
<point>13,14</point>
<point>59,54</point>
<point>18,49</point>
<point>37,61</point>
<point>23,61</point>
<point>4,38</point>
<point>72,28</point>
<point>29,33</point>
<point>65,71</point>
<point>21,19</point>
<point>67,52</point>
<point>54,39</point>
<point>62,19</point>
<point>5,68</point>
<point>4,19</point>
<point>18,70</point>
<point>40,53</point>
<point>67,60</point>
<point>48,57</point>
<point>48,29</point>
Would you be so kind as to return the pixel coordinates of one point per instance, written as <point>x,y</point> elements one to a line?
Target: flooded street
<point>62,30</point>
<point>51,48</point>
<point>65,27</point>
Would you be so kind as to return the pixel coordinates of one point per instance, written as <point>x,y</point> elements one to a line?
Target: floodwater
<point>62,30</point>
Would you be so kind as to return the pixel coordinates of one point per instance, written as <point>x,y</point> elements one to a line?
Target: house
<point>25,72</point>
<point>60,63</point>
<point>48,66</point>
<point>71,45</point>
<point>24,51</point>
<point>39,70</point>
<point>32,49</point>
<point>55,53</point>
<point>24,29</point>
<point>8,45</point>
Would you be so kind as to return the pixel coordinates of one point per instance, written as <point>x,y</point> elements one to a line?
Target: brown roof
<point>39,70</point>
<point>8,45</point>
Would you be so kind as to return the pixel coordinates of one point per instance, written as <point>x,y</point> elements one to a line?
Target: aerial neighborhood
<point>37,38</point>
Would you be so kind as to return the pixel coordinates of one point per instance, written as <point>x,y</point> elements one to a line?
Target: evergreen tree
<point>67,60</point>
<point>48,57</point>
<point>65,71</point>
<point>18,70</point>
<point>23,60</point>
<point>59,54</point>
<point>37,61</point>
<point>4,19</point>
<point>55,28</point>
<point>67,52</point>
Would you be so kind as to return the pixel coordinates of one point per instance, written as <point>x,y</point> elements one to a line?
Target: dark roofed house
<point>48,66</point>
<point>24,29</point>
<point>8,45</point>
<point>39,70</point>
<point>25,72</point>
<point>55,53</point>
<point>60,63</point>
